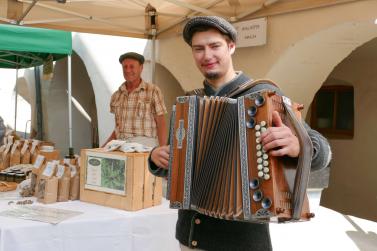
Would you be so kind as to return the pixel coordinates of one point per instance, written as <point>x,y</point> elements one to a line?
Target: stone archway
<point>84,111</point>
<point>304,66</point>
<point>169,86</point>
<point>343,53</point>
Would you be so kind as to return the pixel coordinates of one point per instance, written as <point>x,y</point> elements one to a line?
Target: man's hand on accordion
<point>279,140</point>
<point>160,156</point>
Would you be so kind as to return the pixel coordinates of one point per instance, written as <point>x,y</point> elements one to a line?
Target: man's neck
<point>133,85</point>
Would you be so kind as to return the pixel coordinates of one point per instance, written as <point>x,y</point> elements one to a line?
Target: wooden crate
<point>138,188</point>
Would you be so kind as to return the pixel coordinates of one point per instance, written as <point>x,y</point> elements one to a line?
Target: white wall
<point>9,78</point>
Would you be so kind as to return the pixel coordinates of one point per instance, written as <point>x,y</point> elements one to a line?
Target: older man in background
<point>138,106</point>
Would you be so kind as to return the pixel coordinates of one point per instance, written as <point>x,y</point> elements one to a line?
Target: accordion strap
<point>236,91</point>
<point>197,92</point>
<point>248,85</point>
<point>304,161</point>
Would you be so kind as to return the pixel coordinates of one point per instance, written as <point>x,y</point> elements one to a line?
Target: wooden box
<point>119,180</point>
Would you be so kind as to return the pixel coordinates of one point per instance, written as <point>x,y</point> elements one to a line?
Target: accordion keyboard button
<point>259,101</point>
<point>257,134</point>
<point>257,195</point>
<point>257,127</point>
<point>252,111</point>
<point>259,153</point>
<point>250,124</point>
<point>266,203</point>
<point>260,174</point>
<point>266,176</point>
<point>260,167</point>
<point>259,147</point>
<point>254,183</point>
<point>266,169</point>
<point>265,163</point>
<point>265,156</point>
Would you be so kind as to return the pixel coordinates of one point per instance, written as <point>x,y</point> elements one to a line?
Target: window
<point>333,111</point>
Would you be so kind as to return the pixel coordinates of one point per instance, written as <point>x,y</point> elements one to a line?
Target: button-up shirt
<point>135,111</point>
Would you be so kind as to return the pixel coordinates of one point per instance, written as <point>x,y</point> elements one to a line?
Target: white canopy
<point>139,18</point>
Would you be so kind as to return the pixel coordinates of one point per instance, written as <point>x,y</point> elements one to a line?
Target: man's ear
<point>232,47</point>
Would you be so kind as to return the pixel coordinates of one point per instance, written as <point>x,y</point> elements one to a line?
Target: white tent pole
<point>69,103</point>
<point>153,58</point>
<point>15,102</point>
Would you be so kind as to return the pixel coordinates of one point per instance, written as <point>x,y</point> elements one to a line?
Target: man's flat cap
<point>132,55</point>
<point>208,21</point>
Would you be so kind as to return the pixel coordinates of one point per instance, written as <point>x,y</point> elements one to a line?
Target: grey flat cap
<point>210,21</point>
<point>132,55</point>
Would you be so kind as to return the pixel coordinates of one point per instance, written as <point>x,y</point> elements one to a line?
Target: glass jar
<point>19,177</point>
<point>10,176</point>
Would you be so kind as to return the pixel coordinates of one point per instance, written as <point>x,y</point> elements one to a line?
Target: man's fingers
<point>275,143</point>
<point>164,154</point>
<point>278,152</point>
<point>164,163</point>
<point>275,133</point>
<point>276,120</point>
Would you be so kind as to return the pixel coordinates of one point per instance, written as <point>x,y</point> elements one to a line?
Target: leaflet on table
<point>40,213</point>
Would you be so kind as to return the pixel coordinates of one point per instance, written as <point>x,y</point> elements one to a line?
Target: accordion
<point>219,168</point>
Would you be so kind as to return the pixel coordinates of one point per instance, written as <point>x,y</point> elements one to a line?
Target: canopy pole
<point>153,59</point>
<point>15,103</point>
<point>38,102</point>
<point>71,153</point>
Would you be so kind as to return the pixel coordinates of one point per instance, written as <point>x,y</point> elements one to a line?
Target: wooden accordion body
<point>218,167</point>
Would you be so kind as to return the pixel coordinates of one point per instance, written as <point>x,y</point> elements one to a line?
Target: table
<point>107,229</point>
<point>97,229</point>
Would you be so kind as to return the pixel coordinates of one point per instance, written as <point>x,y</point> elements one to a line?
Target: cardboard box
<point>119,180</point>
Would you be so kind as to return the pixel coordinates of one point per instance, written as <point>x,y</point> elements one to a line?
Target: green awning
<point>24,47</point>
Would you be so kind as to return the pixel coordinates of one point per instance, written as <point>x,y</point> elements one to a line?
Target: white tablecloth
<point>107,229</point>
<point>97,229</point>
<point>327,231</point>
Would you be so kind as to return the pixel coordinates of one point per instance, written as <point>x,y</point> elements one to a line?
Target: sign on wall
<point>251,32</point>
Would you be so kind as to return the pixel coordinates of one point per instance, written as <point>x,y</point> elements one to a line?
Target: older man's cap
<point>132,55</point>
<point>208,21</point>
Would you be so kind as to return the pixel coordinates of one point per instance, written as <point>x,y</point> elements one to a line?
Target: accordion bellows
<point>219,168</point>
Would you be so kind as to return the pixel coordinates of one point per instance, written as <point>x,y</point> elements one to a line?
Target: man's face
<point>131,69</point>
<point>212,53</point>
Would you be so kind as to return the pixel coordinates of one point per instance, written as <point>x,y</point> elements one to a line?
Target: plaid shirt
<point>134,112</point>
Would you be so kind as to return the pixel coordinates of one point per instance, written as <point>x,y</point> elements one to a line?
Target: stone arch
<point>169,85</point>
<point>84,110</point>
<point>303,68</point>
<point>343,54</point>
